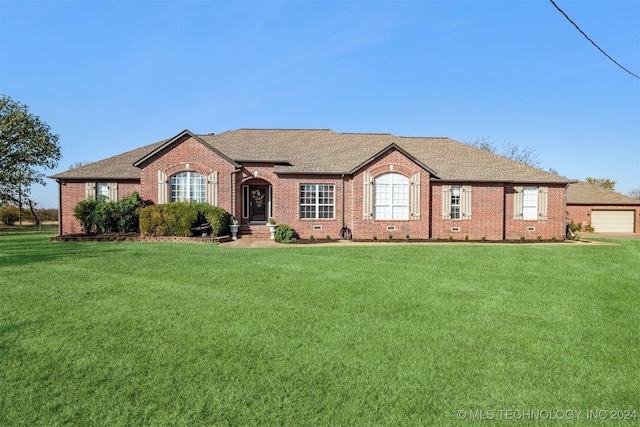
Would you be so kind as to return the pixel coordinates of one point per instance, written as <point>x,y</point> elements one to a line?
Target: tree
<point>511,151</point>
<point>26,144</point>
<point>635,193</point>
<point>606,183</point>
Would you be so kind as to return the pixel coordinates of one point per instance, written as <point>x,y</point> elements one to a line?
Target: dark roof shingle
<point>324,151</point>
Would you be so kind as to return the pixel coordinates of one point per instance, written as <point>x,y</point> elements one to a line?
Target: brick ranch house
<point>320,181</point>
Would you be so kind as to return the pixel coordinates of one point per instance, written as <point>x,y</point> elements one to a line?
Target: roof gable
<point>175,140</point>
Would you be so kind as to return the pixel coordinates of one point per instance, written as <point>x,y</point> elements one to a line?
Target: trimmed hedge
<point>177,219</point>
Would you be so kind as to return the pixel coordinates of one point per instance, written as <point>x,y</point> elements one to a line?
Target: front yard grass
<point>183,334</point>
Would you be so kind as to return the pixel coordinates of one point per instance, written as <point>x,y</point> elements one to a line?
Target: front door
<point>258,202</point>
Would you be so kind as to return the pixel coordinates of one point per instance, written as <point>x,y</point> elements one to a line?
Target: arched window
<point>188,186</point>
<point>391,196</point>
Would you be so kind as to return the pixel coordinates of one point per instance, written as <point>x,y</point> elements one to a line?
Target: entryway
<point>256,203</point>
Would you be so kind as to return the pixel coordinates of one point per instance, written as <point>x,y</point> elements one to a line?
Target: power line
<point>592,42</point>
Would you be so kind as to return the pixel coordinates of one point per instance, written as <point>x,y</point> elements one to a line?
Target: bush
<point>101,216</point>
<point>177,219</point>
<point>84,212</point>
<point>8,215</point>
<point>284,234</point>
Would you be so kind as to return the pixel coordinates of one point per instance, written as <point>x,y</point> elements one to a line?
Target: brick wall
<point>487,213</point>
<point>553,226</point>
<point>395,162</point>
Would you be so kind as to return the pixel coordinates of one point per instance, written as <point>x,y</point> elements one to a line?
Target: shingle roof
<point>116,167</point>
<point>583,193</point>
<point>324,151</point>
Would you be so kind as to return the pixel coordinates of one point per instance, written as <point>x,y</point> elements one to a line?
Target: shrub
<point>284,234</point>
<point>484,238</point>
<point>85,213</point>
<point>177,219</point>
<point>101,216</point>
<point>466,238</point>
<point>217,217</point>
<point>574,227</point>
<point>9,215</point>
<point>406,236</point>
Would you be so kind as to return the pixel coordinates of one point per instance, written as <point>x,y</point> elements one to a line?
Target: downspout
<point>231,201</point>
<point>342,189</point>
<point>504,212</point>
<point>564,232</point>
<point>59,207</point>
<point>345,233</point>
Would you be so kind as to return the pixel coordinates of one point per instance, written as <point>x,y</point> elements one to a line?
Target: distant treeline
<point>9,215</point>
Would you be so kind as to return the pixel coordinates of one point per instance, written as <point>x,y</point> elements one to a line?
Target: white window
<point>102,189</point>
<point>391,196</point>
<point>317,201</point>
<point>188,186</point>
<point>455,202</point>
<point>530,203</point>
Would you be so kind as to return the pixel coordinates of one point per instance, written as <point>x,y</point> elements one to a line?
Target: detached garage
<point>606,211</point>
<point>612,221</point>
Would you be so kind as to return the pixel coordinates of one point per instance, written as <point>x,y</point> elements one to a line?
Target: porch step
<point>246,231</point>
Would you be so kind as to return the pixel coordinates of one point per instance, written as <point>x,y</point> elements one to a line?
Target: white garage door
<point>612,221</point>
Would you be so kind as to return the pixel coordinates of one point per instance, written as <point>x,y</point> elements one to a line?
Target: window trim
<point>317,205</point>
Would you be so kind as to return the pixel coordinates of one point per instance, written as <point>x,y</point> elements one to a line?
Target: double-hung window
<point>391,196</point>
<point>317,201</point>
<point>455,202</point>
<point>188,186</point>
<point>530,203</point>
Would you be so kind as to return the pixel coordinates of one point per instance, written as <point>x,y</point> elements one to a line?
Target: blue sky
<point>110,76</point>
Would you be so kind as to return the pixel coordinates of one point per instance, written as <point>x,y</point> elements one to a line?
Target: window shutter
<point>162,188</point>
<point>415,196</point>
<point>113,191</point>
<point>212,188</point>
<point>367,196</point>
<point>543,197</point>
<point>465,203</point>
<point>90,190</point>
<point>446,202</point>
<point>518,199</point>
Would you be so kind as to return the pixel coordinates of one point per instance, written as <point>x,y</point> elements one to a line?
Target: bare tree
<point>606,183</point>
<point>511,151</point>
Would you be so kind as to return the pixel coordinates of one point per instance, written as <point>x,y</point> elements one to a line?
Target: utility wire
<point>592,42</point>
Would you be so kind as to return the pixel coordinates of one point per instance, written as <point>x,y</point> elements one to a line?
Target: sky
<point>110,76</point>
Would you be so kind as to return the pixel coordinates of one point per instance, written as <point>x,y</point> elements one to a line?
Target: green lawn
<point>183,334</point>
